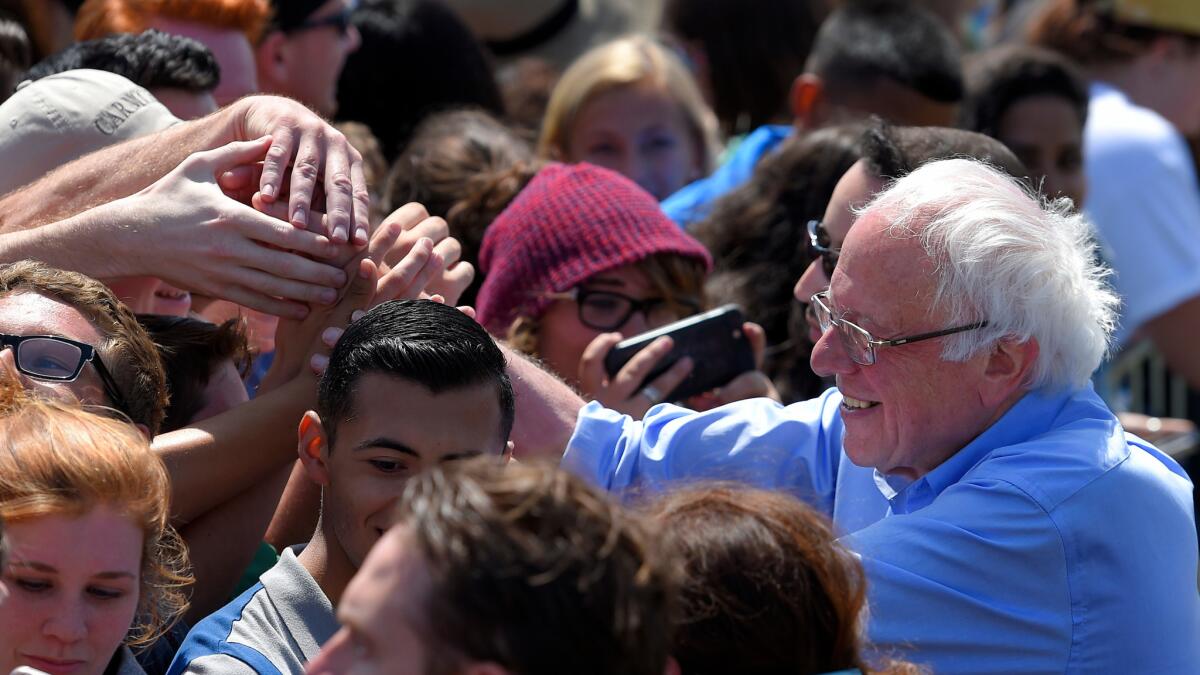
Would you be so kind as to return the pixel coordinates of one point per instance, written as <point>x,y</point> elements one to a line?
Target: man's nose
<point>829,355</point>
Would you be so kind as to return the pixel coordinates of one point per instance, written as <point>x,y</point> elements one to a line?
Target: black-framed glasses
<point>58,359</point>
<point>340,20</point>
<point>609,310</point>
<point>860,344</point>
<point>818,239</point>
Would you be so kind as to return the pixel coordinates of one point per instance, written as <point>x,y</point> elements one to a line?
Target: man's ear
<point>271,55</point>
<point>1008,368</point>
<point>507,455</point>
<point>807,95</point>
<point>313,448</point>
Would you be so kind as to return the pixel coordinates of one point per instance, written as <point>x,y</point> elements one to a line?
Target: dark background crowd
<point>446,176</point>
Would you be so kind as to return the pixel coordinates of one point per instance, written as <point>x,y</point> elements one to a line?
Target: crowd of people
<point>307,310</point>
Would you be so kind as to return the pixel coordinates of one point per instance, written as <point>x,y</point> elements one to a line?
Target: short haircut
<point>126,349</point>
<point>754,50</point>
<point>891,152</point>
<point>1000,77</point>
<point>57,458</point>
<point>97,18</point>
<point>863,41</point>
<point>191,351</point>
<point>766,587</point>
<point>535,570</point>
<point>626,62</point>
<point>379,85</point>
<point>421,341</point>
<point>152,59</point>
<point>1026,266</point>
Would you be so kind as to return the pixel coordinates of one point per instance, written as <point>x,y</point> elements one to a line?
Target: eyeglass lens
<point>855,340</point>
<point>609,311</point>
<point>51,359</point>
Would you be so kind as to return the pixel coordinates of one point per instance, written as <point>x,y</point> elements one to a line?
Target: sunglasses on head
<point>818,239</point>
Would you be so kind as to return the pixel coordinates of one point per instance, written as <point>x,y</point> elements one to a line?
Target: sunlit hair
<point>59,459</point>
<point>623,63</point>
<point>765,585</point>
<point>1026,266</point>
<point>97,18</point>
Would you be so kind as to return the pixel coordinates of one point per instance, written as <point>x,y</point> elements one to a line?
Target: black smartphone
<point>714,340</point>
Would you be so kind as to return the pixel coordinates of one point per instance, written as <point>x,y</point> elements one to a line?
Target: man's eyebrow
<point>386,443</point>
<point>466,454</point>
<point>33,565</point>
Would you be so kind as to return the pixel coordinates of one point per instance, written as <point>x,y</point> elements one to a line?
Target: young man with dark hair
<point>179,71</point>
<point>412,384</point>
<point>504,571</point>
<point>889,58</point>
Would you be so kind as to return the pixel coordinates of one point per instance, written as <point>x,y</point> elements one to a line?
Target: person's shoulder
<point>1118,128</point>
<point>219,642</point>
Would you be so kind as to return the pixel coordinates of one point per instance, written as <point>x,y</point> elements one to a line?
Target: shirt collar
<point>303,606</point>
<point>1030,416</point>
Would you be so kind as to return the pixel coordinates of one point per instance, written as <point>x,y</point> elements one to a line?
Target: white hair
<point>1004,255</point>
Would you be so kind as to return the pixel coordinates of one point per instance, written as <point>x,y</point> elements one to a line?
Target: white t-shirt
<point>1145,203</point>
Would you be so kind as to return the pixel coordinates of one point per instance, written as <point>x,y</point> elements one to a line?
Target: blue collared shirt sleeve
<point>796,448</point>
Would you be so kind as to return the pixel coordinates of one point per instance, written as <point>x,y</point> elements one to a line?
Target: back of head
<point>97,18</point>
<point>1003,255</point>
<point>536,571</point>
<point>127,350</point>
<point>151,59</point>
<point>570,222</point>
<point>868,41</point>
<point>626,62</point>
<point>1096,33</point>
<point>63,117</point>
<point>998,78</point>
<point>891,152</point>
<point>16,53</point>
<point>59,459</point>
<point>192,350</point>
<point>753,51</point>
<point>421,341</point>
<point>379,85</point>
<point>766,587</point>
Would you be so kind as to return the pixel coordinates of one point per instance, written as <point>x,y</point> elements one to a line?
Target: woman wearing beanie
<point>582,258</point>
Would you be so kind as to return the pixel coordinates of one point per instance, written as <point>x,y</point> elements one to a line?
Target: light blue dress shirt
<point>1053,542</point>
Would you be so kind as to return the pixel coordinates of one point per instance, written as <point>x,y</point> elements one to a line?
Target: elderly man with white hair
<point>1005,520</point>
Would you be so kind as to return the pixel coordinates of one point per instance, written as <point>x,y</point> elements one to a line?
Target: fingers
<point>287,289</point>
<point>453,281</point>
<point>631,376</point>
<point>591,364</point>
<point>305,170</point>
<point>757,337</point>
<point>360,202</point>
<point>287,265</point>
<point>468,310</point>
<point>410,276</point>
<point>390,231</point>
<point>262,302</point>
<point>339,203</point>
<point>675,375</point>
<point>220,160</point>
<point>275,165</point>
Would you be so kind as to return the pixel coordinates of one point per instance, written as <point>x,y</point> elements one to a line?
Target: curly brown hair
<point>59,458</point>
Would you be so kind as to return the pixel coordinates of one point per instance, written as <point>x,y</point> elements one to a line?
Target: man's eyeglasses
<point>57,359</point>
<point>340,21</point>
<point>818,239</point>
<point>608,310</point>
<point>860,344</point>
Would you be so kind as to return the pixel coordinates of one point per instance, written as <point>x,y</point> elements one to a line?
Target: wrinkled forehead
<point>882,269</point>
<point>25,312</point>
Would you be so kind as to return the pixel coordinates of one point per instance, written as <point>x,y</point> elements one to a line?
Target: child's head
<point>632,106</point>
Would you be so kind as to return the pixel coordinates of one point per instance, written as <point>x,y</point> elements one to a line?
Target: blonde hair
<point>58,458</point>
<point>622,63</point>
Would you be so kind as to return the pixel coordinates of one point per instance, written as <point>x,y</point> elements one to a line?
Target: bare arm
<point>546,409</point>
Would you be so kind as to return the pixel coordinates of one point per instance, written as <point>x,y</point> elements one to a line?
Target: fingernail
<point>339,278</point>
<point>298,215</point>
<point>357,314</point>
<point>268,191</point>
<point>330,335</point>
<point>328,296</point>
<point>319,362</point>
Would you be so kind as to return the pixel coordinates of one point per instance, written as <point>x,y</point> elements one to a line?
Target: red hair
<point>97,18</point>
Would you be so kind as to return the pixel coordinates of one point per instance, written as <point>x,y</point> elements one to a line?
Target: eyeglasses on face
<point>58,359</point>
<point>339,21</point>
<point>609,310</point>
<point>859,343</point>
<point>819,240</point>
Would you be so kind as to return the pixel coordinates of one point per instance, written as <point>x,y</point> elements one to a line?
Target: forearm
<point>113,172</point>
<point>546,409</point>
<point>211,462</point>
<point>83,243</point>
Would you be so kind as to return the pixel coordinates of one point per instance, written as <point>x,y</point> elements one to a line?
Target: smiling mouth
<point>853,404</point>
